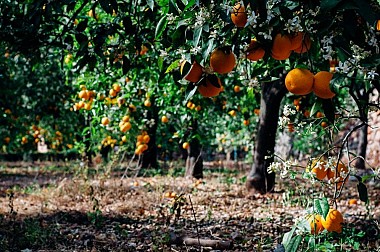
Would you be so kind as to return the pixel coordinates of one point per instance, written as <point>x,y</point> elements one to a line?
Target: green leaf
<point>288,237</point>
<point>189,5</point>
<point>293,244</point>
<point>161,27</point>
<point>197,35</point>
<point>321,206</point>
<point>160,63</point>
<point>327,5</point>
<point>173,66</point>
<point>191,94</point>
<point>363,193</point>
<point>209,46</point>
<point>150,4</point>
<point>316,107</point>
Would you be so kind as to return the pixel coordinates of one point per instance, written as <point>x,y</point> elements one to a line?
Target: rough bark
<point>259,180</point>
<point>194,160</point>
<point>362,147</point>
<point>188,241</point>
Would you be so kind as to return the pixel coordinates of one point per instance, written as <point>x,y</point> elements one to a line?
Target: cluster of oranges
<point>332,223</point>
<point>300,81</point>
<point>142,143</point>
<point>125,124</point>
<point>337,173</point>
<point>86,98</point>
<point>191,105</point>
<point>108,141</point>
<point>284,44</point>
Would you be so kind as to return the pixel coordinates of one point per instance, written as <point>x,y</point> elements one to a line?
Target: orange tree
<point>304,35</point>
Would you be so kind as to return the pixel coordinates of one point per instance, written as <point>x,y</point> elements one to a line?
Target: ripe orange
<point>236,89</point>
<point>146,139</point>
<point>255,51</point>
<point>112,92</point>
<point>352,202</point>
<point>7,140</point>
<point>319,114</point>
<point>147,103</point>
<point>207,89</point>
<point>164,119</point>
<point>305,45</point>
<point>116,87</point>
<point>296,40</point>
<point>378,25</point>
<point>299,81</point>
<point>124,139</point>
<point>125,118</point>
<point>198,108</point>
<point>125,127</point>
<point>291,127</point>
<point>195,72</point>
<point>105,121</point>
<point>306,113</point>
<point>281,48</point>
<point>246,122</point>
<point>318,168</point>
<point>83,94</point>
<point>338,178</point>
<point>87,106</point>
<point>324,124</point>
<point>256,111</point>
<point>232,113</point>
<point>321,86</point>
<point>333,221</point>
<point>189,103</point>
<point>315,221</point>
<point>239,15</point>
<point>186,145</point>
<point>222,60</point>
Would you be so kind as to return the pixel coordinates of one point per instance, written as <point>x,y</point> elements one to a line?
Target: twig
<point>188,241</point>
<point>195,218</point>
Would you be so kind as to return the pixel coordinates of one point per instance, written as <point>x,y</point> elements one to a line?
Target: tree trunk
<point>194,161</point>
<point>149,157</point>
<point>362,147</point>
<point>271,95</point>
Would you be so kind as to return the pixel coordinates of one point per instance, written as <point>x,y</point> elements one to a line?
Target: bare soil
<point>52,208</point>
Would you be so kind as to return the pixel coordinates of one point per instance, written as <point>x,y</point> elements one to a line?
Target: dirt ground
<point>56,208</point>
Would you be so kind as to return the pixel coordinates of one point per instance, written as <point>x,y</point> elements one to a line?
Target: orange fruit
<point>116,87</point>
<point>281,48</point>
<point>189,103</point>
<point>83,94</point>
<point>7,140</point>
<point>319,114</point>
<point>146,139</point>
<point>239,15</point>
<point>306,113</point>
<point>338,178</point>
<point>164,119</point>
<point>378,25</point>
<point>256,111</point>
<point>352,202</point>
<point>305,45</point>
<point>315,221</point>
<point>125,127</point>
<point>321,85</point>
<point>207,89</point>
<point>195,72</point>
<point>296,102</point>
<point>112,92</point>
<point>290,127</point>
<point>296,40</point>
<point>333,221</point>
<point>254,51</point>
<point>324,124</point>
<point>299,81</point>
<point>105,121</point>
<point>246,122</point>
<point>186,145</point>
<point>147,103</point>
<point>232,113</point>
<point>87,106</point>
<point>124,139</point>
<point>318,168</point>
<point>125,118</point>
<point>198,108</point>
<point>222,60</point>
<point>236,89</point>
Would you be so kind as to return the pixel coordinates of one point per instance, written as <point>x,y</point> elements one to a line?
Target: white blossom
<point>289,110</point>
<point>372,75</point>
